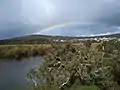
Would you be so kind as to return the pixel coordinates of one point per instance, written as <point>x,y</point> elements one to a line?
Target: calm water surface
<point>13,74</point>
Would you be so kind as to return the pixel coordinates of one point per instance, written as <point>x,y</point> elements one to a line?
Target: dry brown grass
<point>21,51</point>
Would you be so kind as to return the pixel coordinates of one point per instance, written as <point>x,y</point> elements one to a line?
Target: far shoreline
<point>21,51</point>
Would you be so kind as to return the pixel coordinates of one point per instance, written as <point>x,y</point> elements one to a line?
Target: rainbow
<point>46,29</point>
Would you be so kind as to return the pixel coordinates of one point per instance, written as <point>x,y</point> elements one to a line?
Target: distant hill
<point>111,35</point>
<point>34,39</point>
<point>38,39</point>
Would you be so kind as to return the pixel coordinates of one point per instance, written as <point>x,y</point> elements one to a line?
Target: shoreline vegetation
<point>84,66</point>
<point>77,66</point>
<point>22,51</point>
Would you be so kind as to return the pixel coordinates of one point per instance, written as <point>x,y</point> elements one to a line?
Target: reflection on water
<point>13,73</point>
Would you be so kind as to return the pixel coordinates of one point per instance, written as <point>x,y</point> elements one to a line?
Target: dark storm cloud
<point>20,17</point>
<point>110,13</point>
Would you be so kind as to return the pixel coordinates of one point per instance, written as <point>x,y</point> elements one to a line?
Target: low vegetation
<point>79,67</point>
<point>21,51</point>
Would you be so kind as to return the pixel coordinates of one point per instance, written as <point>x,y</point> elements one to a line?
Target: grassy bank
<point>21,51</point>
<point>28,50</point>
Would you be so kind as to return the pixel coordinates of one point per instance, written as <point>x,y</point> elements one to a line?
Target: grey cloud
<point>20,17</point>
<point>84,30</point>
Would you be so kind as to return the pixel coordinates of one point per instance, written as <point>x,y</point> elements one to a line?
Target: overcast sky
<point>59,17</point>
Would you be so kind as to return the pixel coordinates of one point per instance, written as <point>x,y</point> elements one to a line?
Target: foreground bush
<point>75,65</point>
<point>112,56</point>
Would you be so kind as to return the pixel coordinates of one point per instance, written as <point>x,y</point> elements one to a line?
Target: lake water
<point>13,74</point>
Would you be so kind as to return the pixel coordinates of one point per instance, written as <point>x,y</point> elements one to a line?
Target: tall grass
<point>21,51</point>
